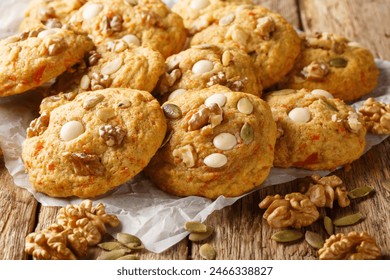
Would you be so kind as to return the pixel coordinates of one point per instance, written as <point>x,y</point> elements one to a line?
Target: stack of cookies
<point>187,95</point>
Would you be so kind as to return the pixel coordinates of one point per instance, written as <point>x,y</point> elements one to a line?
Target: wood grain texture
<point>287,8</point>
<point>17,212</point>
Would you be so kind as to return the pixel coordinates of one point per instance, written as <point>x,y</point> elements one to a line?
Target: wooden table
<point>241,233</point>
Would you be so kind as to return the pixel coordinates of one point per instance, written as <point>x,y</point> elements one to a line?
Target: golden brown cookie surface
<point>266,36</point>
<point>35,57</point>
<point>332,63</point>
<point>94,143</point>
<point>203,66</point>
<point>315,131</point>
<point>150,23</point>
<point>221,143</point>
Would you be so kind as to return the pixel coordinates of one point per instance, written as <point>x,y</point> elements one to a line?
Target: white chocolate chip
<point>91,10</point>
<point>176,93</point>
<point>46,32</point>
<point>199,4</point>
<point>245,106</point>
<point>202,66</point>
<point>322,93</point>
<point>105,114</point>
<point>300,115</point>
<point>132,39</point>
<point>215,160</point>
<point>85,82</point>
<point>71,130</point>
<point>218,98</point>
<point>112,66</point>
<point>334,117</point>
<point>225,141</point>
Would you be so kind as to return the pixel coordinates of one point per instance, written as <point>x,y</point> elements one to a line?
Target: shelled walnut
<point>323,191</point>
<point>56,243</point>
<point>376,116</point>
<point>353,246</point>
<point>89,221</point>
<point>295,210</point>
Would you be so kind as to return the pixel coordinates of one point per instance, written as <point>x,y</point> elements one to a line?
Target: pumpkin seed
<point>135,246</point>
<point>207,252</point>
<point>172,111</point>
<point>247,133</point>
<point>199,236</point>
<point>338,62</point>
<point>386,185</point>
<point>360,192</point>
<point>112,255</point>
<point>348,220</point>
<point>129,257</point>
<point>287,235</point>
<point>328,224</point>
<point>110,246</point>
<point>126,238</point>
<point>195,227</point>
<point>314,239</point>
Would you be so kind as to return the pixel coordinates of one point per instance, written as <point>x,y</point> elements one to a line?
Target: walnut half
<point>376,116</point>
<point>353,246</point>
<point>295,210</point>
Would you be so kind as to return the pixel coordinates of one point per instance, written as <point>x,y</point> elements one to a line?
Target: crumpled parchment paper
<point>157,218</point>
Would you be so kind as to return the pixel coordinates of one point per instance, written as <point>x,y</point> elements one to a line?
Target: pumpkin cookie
<point>50,13</point>
<point>190,10</point>
<point>315,131</point>
<point>266,36</point>
<point>334,64</point>
<point>148,23</point>
<point>207,65</point>
<point>35,57</point>
<point>117,64</point>
<point>94,143</point>
<point>219,143</point>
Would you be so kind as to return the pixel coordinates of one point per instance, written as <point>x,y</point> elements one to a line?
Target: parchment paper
<point>155,217</point>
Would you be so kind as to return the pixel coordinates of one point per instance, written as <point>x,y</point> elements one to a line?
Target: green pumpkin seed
<point>207,252</point>
<point>195,227</point>
<point>112,255</point>
<point>167,138</point>
<point>314,239</point>
<point>135,246</point>
<point>129,257</point>
<point>247,133</point>
<point>328,224</point>
<point>348,220</point>
<point>126,238</point>
<point>360,192</point>
<point>199,236</point>
<point>287,235</point>
<point>110,246</point>
<point>338,62</point>
<point>172,111</point>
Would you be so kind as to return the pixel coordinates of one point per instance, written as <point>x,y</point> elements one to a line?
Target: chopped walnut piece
<point>353,246</point>
<point>39,125</point>
<point>86,164</point>
<point>376,116</point>
<point>327,41</point>
<point>212,114</point>
<point>187,154</point>
<point>86,220</point>
<point>52,244</point>
<point>265,27</point>
<point>112,135</point>
<point>100,81</point>
<point>235,84</point>
<point>323,191</point>
<point>167,80</point>
<point>56,46</point>
<point>295,210</point>
<point>315,71</point>
<point>353,124</point>
<point>110,25</point>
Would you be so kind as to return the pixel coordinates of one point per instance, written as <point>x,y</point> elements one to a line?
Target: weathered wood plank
<point>17,208</point>
<point>364,21</point>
